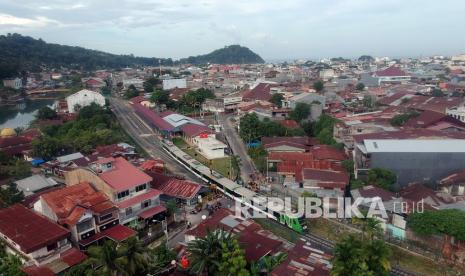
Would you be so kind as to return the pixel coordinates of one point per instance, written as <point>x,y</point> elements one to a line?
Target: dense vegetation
<point>12,169</point>
<point>449,222</point>
<point>322,130</point>
<point>94,126</point>
<point>251,128</point>
<point>364,254</point>
<point>19,53</point>
<point>233,54</point>
<point>401,119</point>
<point>129,258</point>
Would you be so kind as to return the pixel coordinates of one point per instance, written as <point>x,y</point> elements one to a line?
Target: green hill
<point>19,53</point>
<point>233,54</point>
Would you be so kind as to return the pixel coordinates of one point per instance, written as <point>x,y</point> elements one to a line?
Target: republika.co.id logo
<point>327,207</point>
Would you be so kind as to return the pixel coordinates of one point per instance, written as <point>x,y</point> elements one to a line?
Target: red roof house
<point>32,234</point>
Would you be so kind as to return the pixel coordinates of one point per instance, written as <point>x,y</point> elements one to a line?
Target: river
<point>23,114</point>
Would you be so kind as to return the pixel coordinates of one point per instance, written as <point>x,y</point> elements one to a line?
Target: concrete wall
<point>81,175</point>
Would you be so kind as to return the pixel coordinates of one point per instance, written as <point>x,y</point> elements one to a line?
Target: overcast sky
<point>275,29</point>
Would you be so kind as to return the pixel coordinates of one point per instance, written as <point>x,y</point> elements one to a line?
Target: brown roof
<point>371,191</point>
<point>71,202</point>
<point>455,178</point>
<point>193,130</point>
<point>260,92</point>
<point>326,179</point>
<point>392,71</point>
<point>174,187</point>
<point>326,152</point>
<point>28,229</point>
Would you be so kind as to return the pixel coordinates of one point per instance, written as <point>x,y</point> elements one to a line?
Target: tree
<point>277,99</point>
<point>446,222</point>
<point>10,265</point>
<point>205,253</point>
<point>46,147</point>
<point>382,178</point>
<point>300,112</point>
<point>106,259</point>
<point>133,257</point>
<point>131,92</point>
<point>149,84</point>
<point>352,256</point>
<point>46,113</point>
<point>249,126</point>
<point>159,258</point>
<point>318,86</point>
<point>160,97</point>
<point>172,207</point>
<point>232,260</point>
<point>10,195</point>
<point>401,119</point>
<point>368,101</point>
<point>360,86</point>
<point>326,137</point>
<point>437,93</point>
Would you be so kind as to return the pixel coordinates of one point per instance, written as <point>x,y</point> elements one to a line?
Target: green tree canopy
<point>401,119</point>
<point>277,99</point>
<point>448,221</point>
<point>46,113</point>
<point>360,86</point>
<point>150,83</point>
<point>318,86</point>
<point>131,92</point>
<point>160,97</point>
<point>382,178</point>
<point>353,256</point>
<point>300,112</point>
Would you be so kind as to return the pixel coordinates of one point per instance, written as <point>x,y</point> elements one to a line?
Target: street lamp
<point>204,217</point>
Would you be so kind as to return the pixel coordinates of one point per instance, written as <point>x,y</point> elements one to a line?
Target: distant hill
<point>233,54</point>
<point>18,53</point>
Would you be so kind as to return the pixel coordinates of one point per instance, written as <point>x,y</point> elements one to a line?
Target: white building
<point>15,83</point>
<point>327,74</point>
<point>174,83</point>
<point>457,113</point>
<point>209,147</point>
<point>84,98</point>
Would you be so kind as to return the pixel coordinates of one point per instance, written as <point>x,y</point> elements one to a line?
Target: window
<point>141,187</point>
<point>106,216</point>
<point>145,204</point>
<point>128,211</point>
<point>84,226</point>
<point>123,194</point>
<point>52,246</point>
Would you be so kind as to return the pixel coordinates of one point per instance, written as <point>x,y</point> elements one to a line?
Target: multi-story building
<point>129,189</point>
<point>15,83</point>
<point>84,211</point>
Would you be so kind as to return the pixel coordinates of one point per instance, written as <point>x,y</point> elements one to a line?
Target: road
<point>148,140</point>
<point>237,147</point>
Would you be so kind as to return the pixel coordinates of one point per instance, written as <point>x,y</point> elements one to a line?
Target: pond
<point>22,114</point>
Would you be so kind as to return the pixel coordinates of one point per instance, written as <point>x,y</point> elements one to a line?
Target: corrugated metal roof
<point>415,145</point>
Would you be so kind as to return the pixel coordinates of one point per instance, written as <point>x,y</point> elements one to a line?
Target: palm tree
<point>268,263</point>
<point>378,255</point>
<point>10,265</point>
<point>370,227</point>
<point>349,258</point>
<point>205,253</point>
<point>133,256</point>
<point>105,259</point>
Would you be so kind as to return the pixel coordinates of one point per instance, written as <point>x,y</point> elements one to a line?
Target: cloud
<point>63,7</point>
<point>37,22</point>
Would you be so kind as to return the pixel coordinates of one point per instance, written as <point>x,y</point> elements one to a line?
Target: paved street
<point>144,136</point>
<point>237,147</point>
